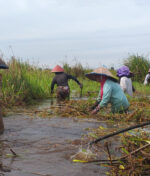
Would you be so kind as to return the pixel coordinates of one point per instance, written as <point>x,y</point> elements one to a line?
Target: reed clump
<point>132,157</point>
<point>23,83</point>
<point>135,150</point>
<point>139,65</point>
<point>76,70</point>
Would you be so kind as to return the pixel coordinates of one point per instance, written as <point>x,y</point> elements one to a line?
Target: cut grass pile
<point>139,110</point>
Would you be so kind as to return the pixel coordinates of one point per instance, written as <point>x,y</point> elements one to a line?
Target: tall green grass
<point>139,65</point>
<point>90,88</point>
<point>23,82</point>
<point>76,70</point>
<point>141,89</point>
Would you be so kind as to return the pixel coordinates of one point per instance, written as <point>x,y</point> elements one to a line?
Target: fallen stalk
<point>118,132</point>
<point>13,152</point>
<point>105,161</point>
<point>40,174</point>
<point>106,144</point>
<point>122,158</point>
<point>135,151</point>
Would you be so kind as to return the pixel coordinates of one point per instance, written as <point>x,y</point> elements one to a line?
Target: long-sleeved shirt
<point>126,85</point>
<point>147,79</point>
<point>61,79</point>
<point>112,93</point>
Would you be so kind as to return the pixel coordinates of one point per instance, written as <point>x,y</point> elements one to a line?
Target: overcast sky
<point>93,32</point>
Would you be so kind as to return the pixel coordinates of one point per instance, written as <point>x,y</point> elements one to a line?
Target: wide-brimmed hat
<point>123,71</point>
<point>3,64</point>
<point>101,71</point>
<point>57,69</point>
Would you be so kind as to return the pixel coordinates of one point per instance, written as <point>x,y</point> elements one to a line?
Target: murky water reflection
<point>45,145</point>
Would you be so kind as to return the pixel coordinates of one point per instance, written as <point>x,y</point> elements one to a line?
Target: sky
<point>92,32</point>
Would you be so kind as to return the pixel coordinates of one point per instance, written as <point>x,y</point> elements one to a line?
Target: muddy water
<point>45,145</point>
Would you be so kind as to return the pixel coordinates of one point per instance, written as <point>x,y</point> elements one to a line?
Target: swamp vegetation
<point>24,84</point>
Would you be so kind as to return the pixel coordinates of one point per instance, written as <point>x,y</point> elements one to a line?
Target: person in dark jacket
<point>61,80</point>
<point>2,66</point>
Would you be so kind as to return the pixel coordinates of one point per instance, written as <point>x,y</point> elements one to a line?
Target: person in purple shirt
<point>125,81</point>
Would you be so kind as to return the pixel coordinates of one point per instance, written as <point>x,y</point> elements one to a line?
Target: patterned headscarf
<point>123,71</point>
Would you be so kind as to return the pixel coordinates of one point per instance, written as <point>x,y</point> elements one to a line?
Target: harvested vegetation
<point>134,148</point>
<point>24,84</point>
<point>139,110</point>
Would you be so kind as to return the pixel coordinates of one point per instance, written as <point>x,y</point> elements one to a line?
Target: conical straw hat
<point>57,69</point>
<point>3,65</point>
<point>101,71</point>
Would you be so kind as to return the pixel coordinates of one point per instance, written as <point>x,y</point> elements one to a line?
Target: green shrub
<point>67,68</point>
<point>139,65</point>
<point>76,70</point>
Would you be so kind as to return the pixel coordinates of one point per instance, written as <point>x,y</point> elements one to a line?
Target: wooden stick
<point>106,144</point>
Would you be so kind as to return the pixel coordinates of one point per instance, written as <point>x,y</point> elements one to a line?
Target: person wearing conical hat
<point>124,75</point>
<point>61,80</point>
<point>110,91</point>
<point>2,66</point>
<point>147,78</point>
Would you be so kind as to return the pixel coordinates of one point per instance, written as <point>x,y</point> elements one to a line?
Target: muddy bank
<point>44,146</point>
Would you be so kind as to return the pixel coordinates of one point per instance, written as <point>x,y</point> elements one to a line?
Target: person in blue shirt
<point>110,91</point>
